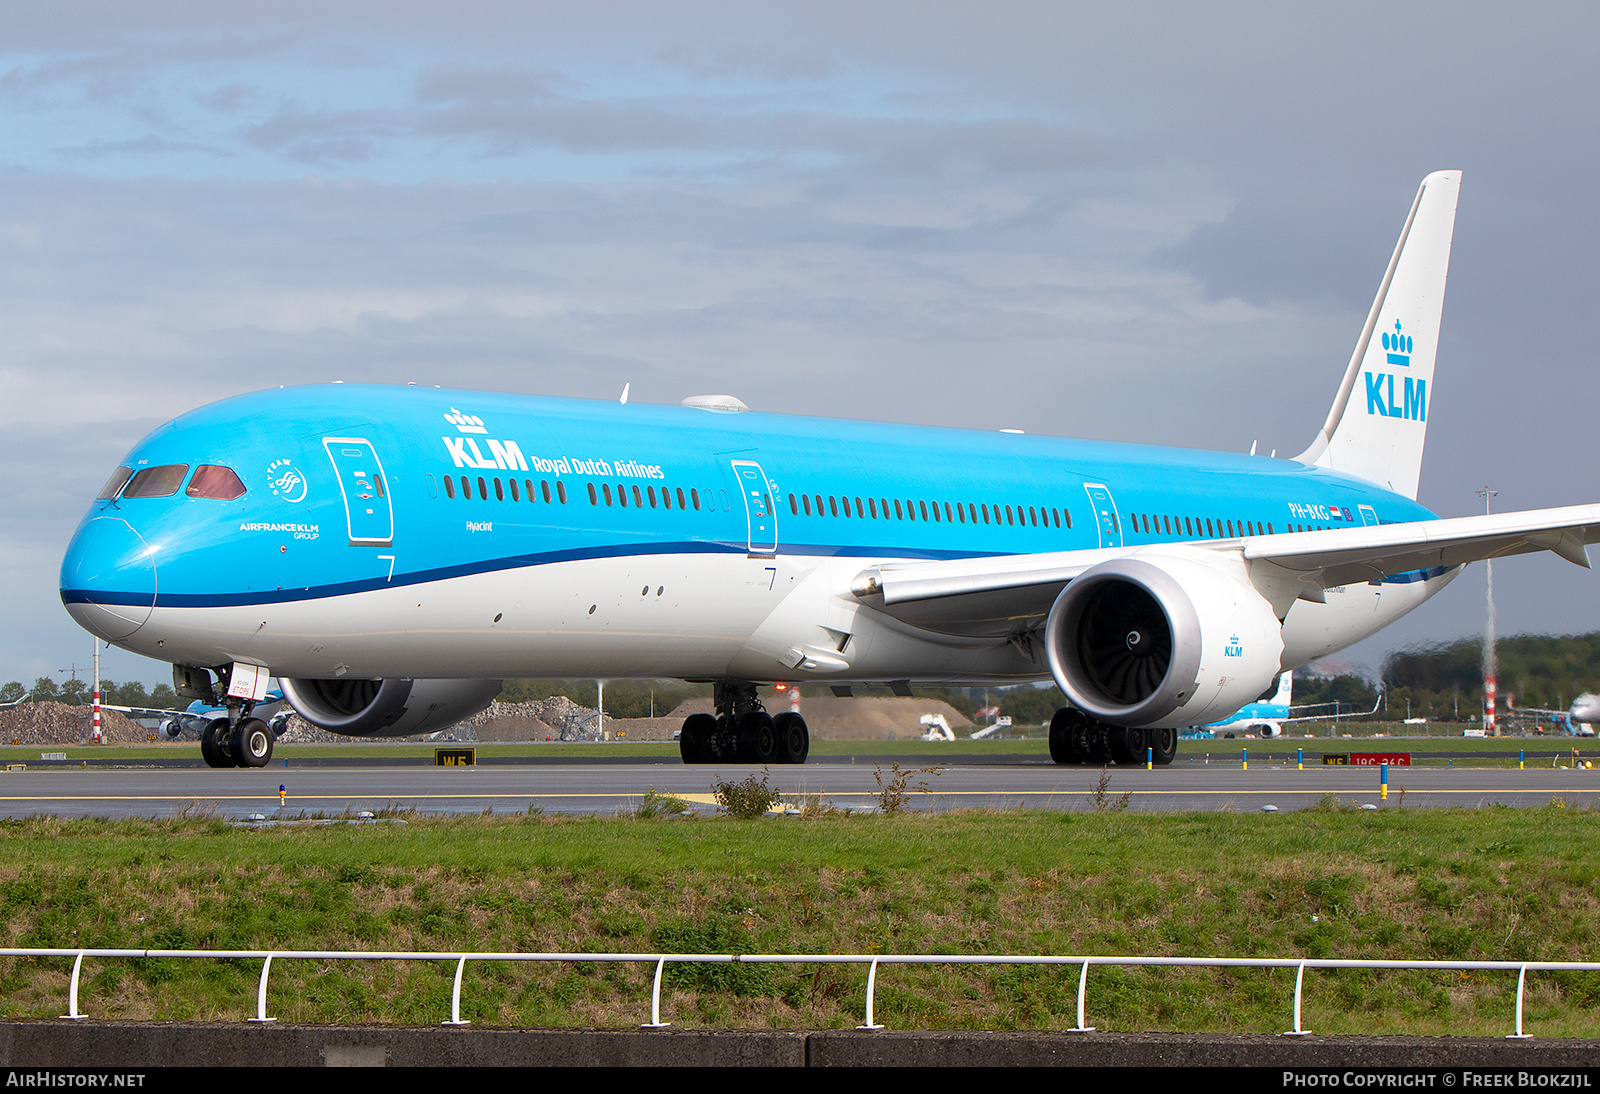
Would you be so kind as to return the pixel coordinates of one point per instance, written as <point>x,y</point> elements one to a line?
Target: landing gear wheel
<point>1069,736</point>
<point>1163,745</point>
<point>794,740</point>
<point>214,744</point>
<point>251,743</point>
<point>757,739</point>
<point>723,741</point>
<point>694,743</point>
<point>1127,744</point>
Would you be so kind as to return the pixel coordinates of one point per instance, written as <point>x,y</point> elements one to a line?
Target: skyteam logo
<point>1413,403</point>
<point>286,480</point>
<point>465,423</point>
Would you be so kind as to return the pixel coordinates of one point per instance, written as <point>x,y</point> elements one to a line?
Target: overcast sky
<point>1161,223</point>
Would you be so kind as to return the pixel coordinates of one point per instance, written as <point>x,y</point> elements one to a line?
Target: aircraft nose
<point>108,578</point>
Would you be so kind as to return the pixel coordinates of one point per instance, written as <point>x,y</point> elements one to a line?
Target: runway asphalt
<point>617,785</point>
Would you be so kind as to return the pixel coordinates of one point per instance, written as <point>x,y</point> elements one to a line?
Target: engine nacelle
<point>1161,640</point>
<point>388,708</point>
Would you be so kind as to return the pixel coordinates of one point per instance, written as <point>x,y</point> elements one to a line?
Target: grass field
<point>1326,882</point>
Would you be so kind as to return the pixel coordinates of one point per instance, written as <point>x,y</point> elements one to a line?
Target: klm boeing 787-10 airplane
<point>391,553</point>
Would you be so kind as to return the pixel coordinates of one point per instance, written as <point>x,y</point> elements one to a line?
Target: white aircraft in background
<point>1578,720</point>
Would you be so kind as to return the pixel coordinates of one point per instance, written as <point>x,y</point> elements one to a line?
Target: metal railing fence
<point>661,960</point>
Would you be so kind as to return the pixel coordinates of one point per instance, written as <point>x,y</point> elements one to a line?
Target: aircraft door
<point>760,512</point>
<point>1104,507</point>
<point>368,511</point>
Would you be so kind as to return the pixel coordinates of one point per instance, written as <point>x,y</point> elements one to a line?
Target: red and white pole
<point>95,734</point>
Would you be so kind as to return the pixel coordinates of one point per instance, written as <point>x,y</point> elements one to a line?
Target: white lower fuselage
<point>689,616</point>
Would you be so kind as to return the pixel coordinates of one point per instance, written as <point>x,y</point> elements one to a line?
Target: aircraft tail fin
<point>1379,419</point>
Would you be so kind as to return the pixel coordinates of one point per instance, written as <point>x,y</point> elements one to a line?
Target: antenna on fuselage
<point>624,399</point>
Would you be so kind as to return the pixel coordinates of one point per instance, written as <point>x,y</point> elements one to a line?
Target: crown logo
<point>1398,345</point>
<point>465,423</point>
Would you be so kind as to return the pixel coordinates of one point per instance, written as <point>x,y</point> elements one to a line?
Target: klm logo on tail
<point>1380,386</point>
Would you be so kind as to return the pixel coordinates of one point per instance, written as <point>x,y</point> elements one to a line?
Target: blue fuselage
<point>543,480</point>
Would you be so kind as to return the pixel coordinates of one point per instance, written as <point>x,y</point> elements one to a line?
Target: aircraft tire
<point>1069,736</point>
<point>694,743</point>
<point>794,739</point>
<point>1163,745</point>
<point>757,741</point>
<point>213,744</point>
<point>251,743</point>
<point>1127,744</point>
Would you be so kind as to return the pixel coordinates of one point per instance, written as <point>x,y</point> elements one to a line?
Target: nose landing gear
<point>245,744</point>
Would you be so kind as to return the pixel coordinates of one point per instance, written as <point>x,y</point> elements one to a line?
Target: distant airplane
<point>1267,716</point>
<point>391,553</point>
<point>199,716</point>
<point>1578,720</point>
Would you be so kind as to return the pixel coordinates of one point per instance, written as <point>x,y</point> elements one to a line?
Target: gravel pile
<point>64,724</point>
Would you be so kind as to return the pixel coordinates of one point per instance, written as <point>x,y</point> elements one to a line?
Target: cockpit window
<point>114,483</point>
<point>215,481</point>
<point>157,482</point>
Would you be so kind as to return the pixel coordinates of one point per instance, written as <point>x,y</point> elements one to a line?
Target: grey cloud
<point>456,83</point>
<point>229,99</point>
<point>772,62</point>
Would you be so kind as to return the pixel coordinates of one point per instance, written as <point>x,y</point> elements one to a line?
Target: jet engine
<point>1160,640</point>
<point>387,708</point>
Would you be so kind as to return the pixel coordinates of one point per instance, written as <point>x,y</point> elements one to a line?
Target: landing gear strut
<point>743,732</point>
<point>1076,738</point>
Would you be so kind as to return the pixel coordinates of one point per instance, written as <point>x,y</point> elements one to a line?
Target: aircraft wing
<point>1006,595</point>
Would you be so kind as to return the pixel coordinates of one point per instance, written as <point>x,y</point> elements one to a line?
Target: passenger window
<point>947,511</point>
<point>214,481</point>
<point>961,513</point>
<point>922,507</point>
<point>449,487</point>
<point>833,505</point>
<point>118,477</point>
<point>860,509</point>
<point>499,491</point>
<point>527,486</point>
<point>898,515</point>
<point>794,505</point>
<point>544,489</point>
<point>666,497</point>
<point>466,489</point>
<point>483,489</point>
<point>594,498</point>
<point>844,503</point>
<point>638,498</point>
<point>972,510</point>
<point>157,482</point>
<point>605,488</point>
<point>694,496</point>
<point>872,508</point>
<point>1066,515</point>
<point>561,489</point>
<point>680,500</point>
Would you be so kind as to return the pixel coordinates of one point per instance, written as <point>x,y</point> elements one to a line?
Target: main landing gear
<point>1076,738</point>
<point>246,743</point>
<point>743,732</point>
